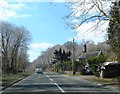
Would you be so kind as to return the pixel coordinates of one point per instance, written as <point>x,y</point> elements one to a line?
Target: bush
<point>68,65</point>
<point>95,63</point>
<point>65,66</point>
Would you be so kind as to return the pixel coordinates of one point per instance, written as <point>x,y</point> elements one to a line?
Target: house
<point>83,60</point>
<point>89,54</point>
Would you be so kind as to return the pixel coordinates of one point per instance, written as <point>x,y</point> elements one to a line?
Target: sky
<point>44,21</point>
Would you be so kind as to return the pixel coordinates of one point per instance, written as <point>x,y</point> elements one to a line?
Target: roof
<point>90,54</point>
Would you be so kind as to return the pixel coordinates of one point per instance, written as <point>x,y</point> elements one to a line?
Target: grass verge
<point>103,81</point>
<point>9,79</point>
<point>98,80</point>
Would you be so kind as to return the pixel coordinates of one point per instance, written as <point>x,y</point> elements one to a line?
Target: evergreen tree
<point>114,29</point>
<point>61,56</point>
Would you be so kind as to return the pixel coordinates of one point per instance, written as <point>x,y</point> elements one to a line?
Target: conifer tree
<point>114,29</point>
<point>61,56</point>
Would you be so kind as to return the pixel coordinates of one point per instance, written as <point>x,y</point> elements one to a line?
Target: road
<point>54,83</point>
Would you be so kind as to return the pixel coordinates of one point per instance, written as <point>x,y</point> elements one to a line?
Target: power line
<point>88,31</point>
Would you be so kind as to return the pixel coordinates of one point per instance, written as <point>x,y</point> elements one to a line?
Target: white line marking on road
<point>47,76</point>
<point>1,92</point>
<point>59,88</point>
<point>51,79</point>
<point>56,84</point>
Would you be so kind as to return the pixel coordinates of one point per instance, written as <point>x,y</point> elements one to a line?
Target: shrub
<point>95,63</point>
<point>68,65</point>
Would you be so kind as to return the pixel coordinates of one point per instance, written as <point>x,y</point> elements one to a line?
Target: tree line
<point>55,54</point>
<point>14,42</point>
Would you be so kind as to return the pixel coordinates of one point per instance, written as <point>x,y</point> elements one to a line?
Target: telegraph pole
<point>73,65</point>
<point>85,52</point>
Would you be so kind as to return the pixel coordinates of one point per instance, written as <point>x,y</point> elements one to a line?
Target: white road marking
<point>47,76</point>
<point>1,92</point>
<point>51,79</point>
<point>59,88</point>
<point>56,84</point>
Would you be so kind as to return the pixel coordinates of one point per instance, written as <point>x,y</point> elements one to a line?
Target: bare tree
<point>5,32</point>
<point>84,11</point>
<point>20,43</point>
<point>22,59</point>
<point>97,12</point>
<point>13,40</point>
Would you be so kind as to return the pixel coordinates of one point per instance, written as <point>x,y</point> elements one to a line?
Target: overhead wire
<point>88,31</point>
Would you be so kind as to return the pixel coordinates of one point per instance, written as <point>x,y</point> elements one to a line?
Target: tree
<point>95,63</point>
<point>84,11</point>
<point>97,12</point>
<point>22,59</point>
<point>114,29</point>
<point>47,58</point>
<point>58,55</point>
<point>5,31</point>
<point>61,56</point>
<point>14,44</point>
<point>77,48</point>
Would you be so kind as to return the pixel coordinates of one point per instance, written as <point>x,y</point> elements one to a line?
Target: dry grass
<point>104,81</point>
<point>11,78</point>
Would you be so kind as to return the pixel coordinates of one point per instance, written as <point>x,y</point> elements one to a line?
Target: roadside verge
<point>10,79</point>
<point>106,82</point>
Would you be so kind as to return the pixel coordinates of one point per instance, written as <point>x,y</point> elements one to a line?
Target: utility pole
<point>85,52</point>
<point>84,48</point>
<point>73,65</point>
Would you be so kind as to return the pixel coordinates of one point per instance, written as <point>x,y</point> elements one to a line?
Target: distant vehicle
<point>39,71</point>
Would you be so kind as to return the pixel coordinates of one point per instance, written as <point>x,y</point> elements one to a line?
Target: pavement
<point>53,83</point>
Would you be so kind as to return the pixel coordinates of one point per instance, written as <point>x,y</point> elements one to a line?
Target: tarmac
<point>115,87</point>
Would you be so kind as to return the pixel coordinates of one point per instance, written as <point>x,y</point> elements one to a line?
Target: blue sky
<point>44,22</point>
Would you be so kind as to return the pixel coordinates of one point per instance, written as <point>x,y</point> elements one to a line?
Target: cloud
<point>14,6</point>
<point>11,10</point>
<point>41,0</point>
<point>53,0</point>
<point>33,54</point>
<point>86,8</point>
<point>35,49</point>
<point>85,32</point>
<point>89,30</point>
<point>17,6</point>
<point>41,45</point>
<point>11,13</point>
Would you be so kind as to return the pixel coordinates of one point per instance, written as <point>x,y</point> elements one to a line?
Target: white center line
<point>51,79</point>
<point>47,76</point>
<point>1,92</point>
<point>56,84</point>
<point>59,88</point>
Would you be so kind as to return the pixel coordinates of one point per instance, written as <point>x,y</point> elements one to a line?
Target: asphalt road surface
<point>54,83</point>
